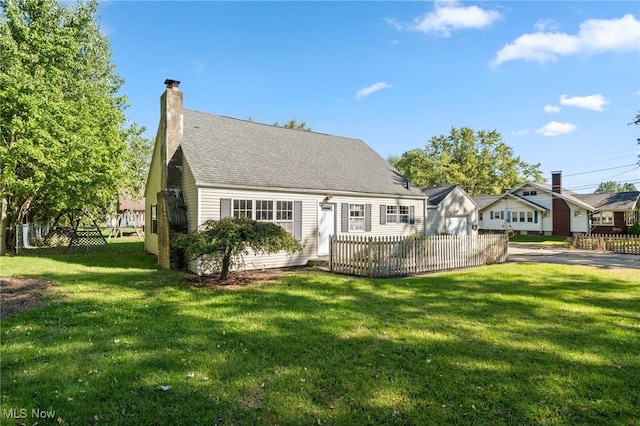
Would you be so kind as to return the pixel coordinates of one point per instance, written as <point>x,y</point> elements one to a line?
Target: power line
<point>601,170</point>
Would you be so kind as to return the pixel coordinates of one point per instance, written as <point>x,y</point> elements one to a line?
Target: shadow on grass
<point>495,346</point>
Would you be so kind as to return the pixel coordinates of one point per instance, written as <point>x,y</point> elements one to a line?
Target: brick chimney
<point>171,208</point>
<point>556,182</point>
<point>171,127</point>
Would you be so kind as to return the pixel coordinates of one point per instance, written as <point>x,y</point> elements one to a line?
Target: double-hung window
<point>284,214</point>
<point>603,218</point>
<point>243,208</point>
<point>404,214</point>
<point>264,210</point>
<point>356,217</point>
<point>392,214</point>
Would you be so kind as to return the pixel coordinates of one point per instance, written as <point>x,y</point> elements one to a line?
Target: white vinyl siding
<point>210,207</point>
<point>457,207</point>
<point>150,194</point>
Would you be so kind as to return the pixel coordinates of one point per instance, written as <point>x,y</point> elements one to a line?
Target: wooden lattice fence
<point>396,256</point>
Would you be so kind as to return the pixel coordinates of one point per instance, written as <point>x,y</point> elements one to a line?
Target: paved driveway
<point>550,254</point>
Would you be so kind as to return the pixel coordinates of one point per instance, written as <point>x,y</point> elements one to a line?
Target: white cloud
<point>372,89</point>
<point>449,16</point>
<point>520,132</point>
<point>546,25</point>
<point>593,102</point>
<point>556,128</point>
<point>594,36</point>
<point>551,109</point>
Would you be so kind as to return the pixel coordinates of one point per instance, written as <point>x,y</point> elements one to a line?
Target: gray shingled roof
<point>437,193</point>
<point>227,151</point>
<point>615,201</point>
<point>482,201</point>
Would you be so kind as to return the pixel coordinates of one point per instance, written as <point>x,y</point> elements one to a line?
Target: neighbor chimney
<point>171,126</point>
<point>556,182</point>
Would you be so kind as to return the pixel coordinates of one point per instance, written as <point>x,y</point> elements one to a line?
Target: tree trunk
<point>226,264</point>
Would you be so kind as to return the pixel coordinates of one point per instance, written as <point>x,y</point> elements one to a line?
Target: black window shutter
<point>225,207</point>
<point>383,214</point>
<point>367,217</point>
<point>412,215</point>
<point>344,226</point>
<point>297,220</point>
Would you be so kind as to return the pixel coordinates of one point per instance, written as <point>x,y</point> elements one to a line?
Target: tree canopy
<point>293,124</point>
<point>480,162</point>
<point>64,140</point>
<point>612,186</point>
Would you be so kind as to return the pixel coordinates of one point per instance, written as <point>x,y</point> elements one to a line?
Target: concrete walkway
<point>551,254</point>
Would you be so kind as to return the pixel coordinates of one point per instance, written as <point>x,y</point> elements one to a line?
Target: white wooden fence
<point>396,256</point>
<point>626,244</point>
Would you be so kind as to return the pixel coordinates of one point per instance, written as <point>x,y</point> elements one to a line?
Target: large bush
<point>226,240</point>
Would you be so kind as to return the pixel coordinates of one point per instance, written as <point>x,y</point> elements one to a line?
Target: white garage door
<point>457,225</point>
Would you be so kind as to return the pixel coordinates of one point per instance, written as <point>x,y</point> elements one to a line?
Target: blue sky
<point>560,80</point>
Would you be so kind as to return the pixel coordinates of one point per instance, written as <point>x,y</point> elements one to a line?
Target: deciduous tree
<point>612,186</point>
<point>480,162</point>
<point>63,140</point>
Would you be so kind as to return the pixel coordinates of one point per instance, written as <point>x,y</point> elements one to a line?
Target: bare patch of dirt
<point>240,279</point>
<point>21,294</point>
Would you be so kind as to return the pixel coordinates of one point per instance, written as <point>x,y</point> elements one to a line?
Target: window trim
<point>596,218</point>
<point>153,213</point>
<point>353,218</point>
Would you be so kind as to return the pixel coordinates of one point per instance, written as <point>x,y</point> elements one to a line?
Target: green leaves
<point>64,143</point>
<point>480,162</point>
<point>231,237</point>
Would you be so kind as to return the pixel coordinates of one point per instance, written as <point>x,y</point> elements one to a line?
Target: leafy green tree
<point>480,162</point>
<point>228,239</point>
<point>63,140</point>
<point>612,186</point>
<point>293,124</point>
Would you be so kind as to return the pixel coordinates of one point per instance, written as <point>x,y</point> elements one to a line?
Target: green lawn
<point>122,343</point>
<point>539,239</point>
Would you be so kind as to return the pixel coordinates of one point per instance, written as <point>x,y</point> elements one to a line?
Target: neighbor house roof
<point>615,201</point>
<point>223,151</point>
<point>564,194</point>
<point>484,201</point>
<point>437,193</point>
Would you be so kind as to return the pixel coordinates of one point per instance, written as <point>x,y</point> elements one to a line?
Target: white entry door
<point>326,226</point>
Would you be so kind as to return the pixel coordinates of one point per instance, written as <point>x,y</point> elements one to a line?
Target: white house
<point>315,185</point>
<point>450,210</point>
<point>535,209</point>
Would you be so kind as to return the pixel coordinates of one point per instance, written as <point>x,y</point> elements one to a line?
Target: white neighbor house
<point>315,185</point>
<point>535,209</point>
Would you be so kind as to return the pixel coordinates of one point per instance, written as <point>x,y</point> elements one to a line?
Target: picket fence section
<point>397,256</point>
<point>625,244</point>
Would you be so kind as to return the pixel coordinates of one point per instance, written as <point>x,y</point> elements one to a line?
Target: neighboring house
<point>450,210</point>
<point>129,216</point>
<point>206,166</point>
<point>539,209</point>
<point>535,209</point>
<point>615,212</point>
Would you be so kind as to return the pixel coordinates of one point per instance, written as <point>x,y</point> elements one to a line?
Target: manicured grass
<point>122,343</point>
<point>539,239</point>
